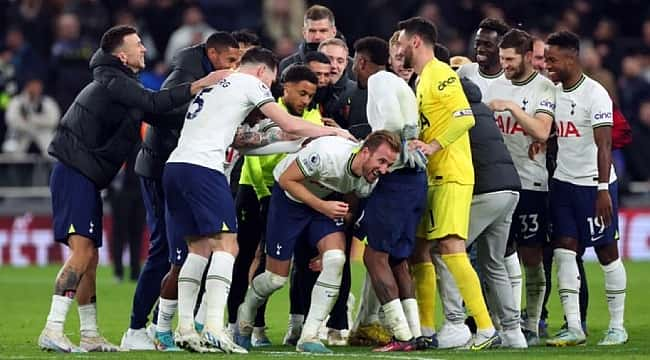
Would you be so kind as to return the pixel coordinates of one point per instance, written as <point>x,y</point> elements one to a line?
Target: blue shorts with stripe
<point>289,221</point>
<point>76,205</point>
<point>393,211</point>
<point>530,219</point>
<point>198,202</point>
<point>573,214</point>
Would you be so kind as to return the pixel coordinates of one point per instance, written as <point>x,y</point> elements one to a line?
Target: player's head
<point>396,60</point>
<point>337,51</point>
<point>123,42</point>
<point>539,63</point>
<point>320,64</point>
<point>299,84</point>
<point>370,56</point>
<point>246,40</point>
<point>486,42</point>
<point>378,153</point>
<point>515,54</point>
<point>318,24</point>
<point>261,63</point>
<point>561,55</point>
<point>417,34</point>
<point>222,50</point>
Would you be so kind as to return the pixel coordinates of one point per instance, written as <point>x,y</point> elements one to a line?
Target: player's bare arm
<point>603,139</point>
<point>291,181</point>
<point>209,80</point>
<point>252,137</point>
<point>538,126</point>
<point>296,126</point>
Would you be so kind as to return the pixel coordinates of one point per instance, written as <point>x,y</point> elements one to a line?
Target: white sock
<point>396,320</point>
<point>412,316</point>
<point>325,292</point>
<point>535,289</point>
<point>514,274</point>
<point>217,287</point>
<point>200,313</point>
<point>615,283</point>
<point>88,320</point>
<point>166,311</point>
<point>262,286</point>
<point>568,283</point>
<point>189,282</point>
<point>58,311</point>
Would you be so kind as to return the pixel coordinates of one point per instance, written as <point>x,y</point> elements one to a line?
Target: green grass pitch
<point>25,299</point>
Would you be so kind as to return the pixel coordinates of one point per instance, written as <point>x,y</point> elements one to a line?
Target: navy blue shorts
<point>289,222</point>
<point>393,212</point>
<point>530,219</point>
<point>198,202</point>
<point>573,212</point>
<point>76,205</point>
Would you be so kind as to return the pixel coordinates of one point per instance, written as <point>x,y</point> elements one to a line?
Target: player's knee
<point>276,281</point>
<point>334,260</point>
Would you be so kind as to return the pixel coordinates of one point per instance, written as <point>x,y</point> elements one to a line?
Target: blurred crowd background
<point>45,46</point>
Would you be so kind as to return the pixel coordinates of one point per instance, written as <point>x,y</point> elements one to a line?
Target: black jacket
<point>493,166</point>
<point>189,64</point>
<point>102,125</point>
<point>299,58</point>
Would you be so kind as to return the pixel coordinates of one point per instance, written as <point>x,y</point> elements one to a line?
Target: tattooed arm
<point>256,136</point>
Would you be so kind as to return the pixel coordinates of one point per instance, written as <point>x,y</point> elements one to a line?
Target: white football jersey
<point>483,81</point>
<point>535,94</point>
<point>326,163</point>
<point>213,117</point>
<point>391,105</point>
<point>580,109</point>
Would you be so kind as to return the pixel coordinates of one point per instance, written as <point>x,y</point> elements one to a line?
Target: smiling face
<point>131,52</point>
<point>513,64</point>
<point>485,47</point>
<point>339,60</point>
<point>405,48</point>
<point>226,58</point>
<point>558,63</point>
<point>322,72</point>
<point>377,163</point>
<point>397,64</point>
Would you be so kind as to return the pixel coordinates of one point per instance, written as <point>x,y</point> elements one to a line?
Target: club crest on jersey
<point>313,161</point>
<point>524,102</point>
<point>265,89</point>
<point>509,126</point>
<point>567,129</point>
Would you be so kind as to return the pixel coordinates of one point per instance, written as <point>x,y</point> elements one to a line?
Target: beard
<point>408,58</point>
<point>519,71</point>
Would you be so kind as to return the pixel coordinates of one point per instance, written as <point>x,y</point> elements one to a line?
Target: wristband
<point>603,186</point>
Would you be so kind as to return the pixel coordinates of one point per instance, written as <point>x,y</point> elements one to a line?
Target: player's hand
<point>330,122</point>
<point>334,209</point>
<point>413,157</point>
<point>426,149</point>
<point>604,207</point>
<point>536,148</point>
<point>343,133</point>
<point>499,105</point>
<point>209,80</point>
<point>316,264</point>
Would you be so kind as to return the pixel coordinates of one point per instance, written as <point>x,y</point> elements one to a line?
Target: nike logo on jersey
<point>596,238</point>
<point>528,236</point>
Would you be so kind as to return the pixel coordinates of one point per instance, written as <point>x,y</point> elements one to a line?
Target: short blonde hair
<point>334,41</point>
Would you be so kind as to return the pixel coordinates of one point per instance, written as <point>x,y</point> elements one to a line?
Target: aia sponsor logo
<point>567,129</point>
<point>509,126</point>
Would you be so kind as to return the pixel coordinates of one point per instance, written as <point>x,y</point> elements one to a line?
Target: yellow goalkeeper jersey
<point>445,116</point>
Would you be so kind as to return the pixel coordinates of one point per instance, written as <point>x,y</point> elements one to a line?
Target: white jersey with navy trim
<point>535,95</point>
<point>213,117</point>
<point>391,105</point>
<point>580,109</point>
<point>482,80</point>
<point>326,163</point>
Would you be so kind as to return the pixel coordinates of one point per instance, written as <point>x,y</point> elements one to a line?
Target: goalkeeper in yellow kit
<point>445,118</point>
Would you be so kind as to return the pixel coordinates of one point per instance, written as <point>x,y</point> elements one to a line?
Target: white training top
<point>391,105</point>
<point>580,109</point>
<point>535,95</point>
<point>213,117</point>
<point>326,163</point>
<point>472,72</point>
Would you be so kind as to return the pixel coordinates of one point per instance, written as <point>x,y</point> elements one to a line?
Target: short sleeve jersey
<point>580,109</point>
<point>482,80</point>
<point>441,100</point>
<point>326,164</point>
<point>536,94</point>
<point>213,117</point>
